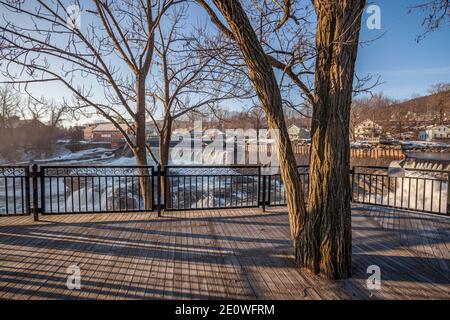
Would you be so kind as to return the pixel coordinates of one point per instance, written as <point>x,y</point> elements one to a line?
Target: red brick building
<point>107,132</point>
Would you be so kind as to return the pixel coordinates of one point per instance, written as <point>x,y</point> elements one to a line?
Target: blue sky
<point>406,66</point>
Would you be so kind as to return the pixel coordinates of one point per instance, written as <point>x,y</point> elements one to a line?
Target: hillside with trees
<point>404,117</point>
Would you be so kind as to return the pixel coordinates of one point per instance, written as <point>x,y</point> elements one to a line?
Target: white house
<point>367,129</point>
<point>297,133</point>
<point>435,132</point>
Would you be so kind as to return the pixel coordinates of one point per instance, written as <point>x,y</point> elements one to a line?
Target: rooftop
<point>109,127</point>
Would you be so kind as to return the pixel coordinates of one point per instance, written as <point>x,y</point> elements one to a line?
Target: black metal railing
<point>416,190</point>
<point>211,187</point>
<point>14,190</point>
<point>94,189</point>
<point>100,189</point>
<point>275,191</point>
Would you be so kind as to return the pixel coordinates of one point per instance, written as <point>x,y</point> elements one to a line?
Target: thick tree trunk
<point>266,87</point>
<point>140,150</point>
<point>325,244</point>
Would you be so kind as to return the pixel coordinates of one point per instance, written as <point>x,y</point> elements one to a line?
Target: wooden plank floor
<point>215,254</point>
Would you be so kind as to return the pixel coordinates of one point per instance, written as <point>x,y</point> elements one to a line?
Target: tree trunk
<point>164,148</point>
<point>164,141</point>
<point>266,87</point>
<point>325,244</point>
<point>140,151</point>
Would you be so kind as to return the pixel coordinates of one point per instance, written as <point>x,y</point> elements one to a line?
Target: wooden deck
<point>215,254</point>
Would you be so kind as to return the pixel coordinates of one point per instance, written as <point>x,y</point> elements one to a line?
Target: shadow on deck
<point>216,254</point>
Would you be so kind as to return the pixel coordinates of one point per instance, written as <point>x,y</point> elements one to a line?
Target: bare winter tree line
<point>28,125</point>
<point>396,116</point>
<point>191,81</point>
<point>137,53</point>
<point>147,63</point>
<point>12,103</point>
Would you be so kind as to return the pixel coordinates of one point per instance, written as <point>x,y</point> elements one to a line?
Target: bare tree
<point>9,104</point>
<point>321,235</point>
<point>57,114</point>
<point>34,109</point>
<point>104,64</point>
<point>287,36</point>
<point>257,116</point>
<point>355,118</point>
<point>439,87</point>
<point>256,113</point>
<point>45,110</point>
<point>437,13</point>
<point>289,49</point>
<point>324,245</point>
<point>441,96</point>
<point>190,79</point>
<point>35,130</point>
<point>266,87</point>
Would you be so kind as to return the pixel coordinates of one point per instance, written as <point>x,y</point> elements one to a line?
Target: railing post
<point>448,193</point>
<point>264,193</point>
<point>41,176</point>
<point>158,190</point>
<point>34,176</point>
<point>259,187</point>
<point>27,191</point>
<point>352,172</point>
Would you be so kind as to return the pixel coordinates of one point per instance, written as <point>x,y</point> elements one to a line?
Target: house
<point>367,129</point>
<point>88,132</point>
<point>15,122</point>
<point>108,132</point>
<point>298,133</point>
<point>435,132</point>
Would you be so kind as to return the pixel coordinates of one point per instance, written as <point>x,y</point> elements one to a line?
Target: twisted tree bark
<point>266,87</point>
<point>140,151</point>
<point>321,234</point>
<point>325,244</point>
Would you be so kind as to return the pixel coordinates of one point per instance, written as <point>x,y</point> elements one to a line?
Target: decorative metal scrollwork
<point>212,171</point>
<point>12,171</point>
<point>97,171</point>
